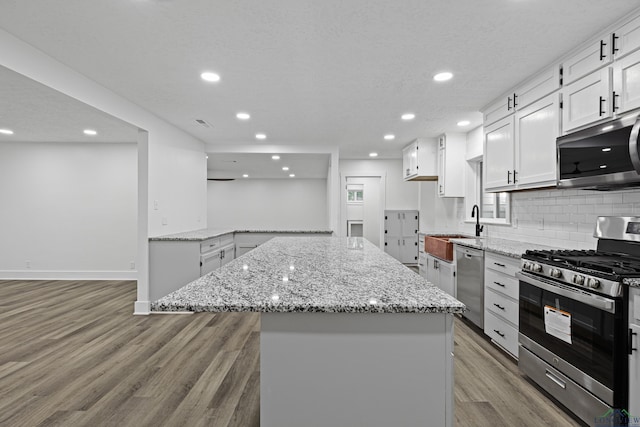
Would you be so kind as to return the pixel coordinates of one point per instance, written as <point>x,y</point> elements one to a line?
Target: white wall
<point>271,204</point>
<point>437,214</point>
<point>176,172</point>
<point>69,209</point>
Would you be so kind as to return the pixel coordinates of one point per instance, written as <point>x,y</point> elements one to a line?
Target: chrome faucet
<point>475,213</point>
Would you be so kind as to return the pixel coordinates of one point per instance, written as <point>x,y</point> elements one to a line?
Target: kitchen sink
<point>440,246</point>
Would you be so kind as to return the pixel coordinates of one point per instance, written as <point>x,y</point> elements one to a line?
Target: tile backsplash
<point>561,218</point>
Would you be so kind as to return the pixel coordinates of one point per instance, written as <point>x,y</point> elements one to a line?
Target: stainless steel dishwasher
<point>470,282</point>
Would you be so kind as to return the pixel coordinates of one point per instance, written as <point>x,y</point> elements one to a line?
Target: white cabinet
<point>419,160</point>
<point>501,317</point>
<point>441,273</point>
<point>499,155</point>
<point>626,83</point>
<point>401,235</point>
<point>520,150</point>
<point>626,39</point>
<point>538,86</point>
<point>587,100</point>
<point>587,60</point>
<point>422,256</point>
<point>451,160</point>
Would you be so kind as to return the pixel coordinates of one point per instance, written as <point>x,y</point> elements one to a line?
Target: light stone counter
<point>312,274</point>
<point>511,248</point>
<point>210,233</point>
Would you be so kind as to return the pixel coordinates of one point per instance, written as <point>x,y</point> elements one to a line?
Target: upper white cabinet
<point>520,150</point>
<point>419,160</point>
<point>586,61</point>
<point>587,100</point>
<point>451,158</point>
<point>626,83</point>
<point>540,85</point>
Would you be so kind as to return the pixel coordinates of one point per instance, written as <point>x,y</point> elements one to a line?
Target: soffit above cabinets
<point>311,72</point>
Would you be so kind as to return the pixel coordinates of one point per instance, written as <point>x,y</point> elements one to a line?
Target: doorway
<point>362,207</point>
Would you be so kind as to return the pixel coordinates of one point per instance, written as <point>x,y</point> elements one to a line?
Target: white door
<point>626,83</point>
<point>371,207</point>
<point>499,155</point>
<point>537,127</point>
<point>587,100</point>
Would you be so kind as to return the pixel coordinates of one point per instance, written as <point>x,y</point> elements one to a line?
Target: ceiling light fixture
<point>90,132</point>
<point>6,131</point>
<point>292,175</point>
<point>261,136</point>
<point>408,116</point>
<point>275,157</point>
<point>243,116</point>
<point>389,137</point>
<point>464,123</point>
<point>285,168</point>
<point>208,76</point>
<point>443,77</point>
<point>373,154</point>
<point>245,175</point>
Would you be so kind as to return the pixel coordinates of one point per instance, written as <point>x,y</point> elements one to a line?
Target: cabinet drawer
<point>501,332</point>
<point>502,306</point>
<point>508,285</point>
<point>209,245</point>
<point>503,264</point>
<point>226,240</point>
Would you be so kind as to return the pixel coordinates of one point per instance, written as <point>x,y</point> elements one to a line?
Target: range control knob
<point>526,265</point>
<point>578,279</point>
<point>555,273</point>
<point>593,283</point>
<point>536,267</point>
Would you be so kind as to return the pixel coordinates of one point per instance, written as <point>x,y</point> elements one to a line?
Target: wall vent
<point>203,123</point>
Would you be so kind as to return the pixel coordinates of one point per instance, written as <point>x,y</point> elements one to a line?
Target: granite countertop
<point>511,248</point>
<point>209,233</point>
<point>312,274</point>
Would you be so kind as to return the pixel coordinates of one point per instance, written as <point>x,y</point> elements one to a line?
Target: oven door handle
<point>591,300</point>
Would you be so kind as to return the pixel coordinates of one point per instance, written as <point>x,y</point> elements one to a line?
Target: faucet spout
<point>475,213</point>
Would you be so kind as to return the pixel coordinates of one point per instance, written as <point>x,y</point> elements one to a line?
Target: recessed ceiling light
<point>389,137</point>
<point>285,168</point>
<point>408,116</point>
<point>245,175</point>
<point>90,132</point>
<point>464,123</point>
<point>292,175</point>
<point>6,131</point>
<point>443,77</point>
<point>206,157</point>
<point>261,136</point>
<point>606,128</point>
<point>373,154</point>
<point>275,157</point>
<point>208,76</point>
<point>243,116</point>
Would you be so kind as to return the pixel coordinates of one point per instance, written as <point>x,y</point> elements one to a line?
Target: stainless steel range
<point>573,331</point>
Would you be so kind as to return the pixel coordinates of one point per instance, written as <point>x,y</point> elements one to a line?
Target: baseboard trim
<point>142,308</point>
<point>67,275</point>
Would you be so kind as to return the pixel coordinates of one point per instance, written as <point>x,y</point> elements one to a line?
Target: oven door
<point>575,331</point>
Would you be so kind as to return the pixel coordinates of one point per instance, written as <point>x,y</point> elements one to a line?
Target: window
<point>494,207</point>
<point>355,196</point>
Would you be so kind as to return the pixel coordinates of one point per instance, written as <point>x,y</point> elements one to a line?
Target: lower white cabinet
<point>501,316</point>
<point>401,235</point>
<point>441,273</point>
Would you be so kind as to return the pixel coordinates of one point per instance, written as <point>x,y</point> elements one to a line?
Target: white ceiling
<point>37,113</point>
<point>262,166</point>
<point>328,72</point>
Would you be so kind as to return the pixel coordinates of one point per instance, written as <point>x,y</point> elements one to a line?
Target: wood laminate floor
<point>72,354</point>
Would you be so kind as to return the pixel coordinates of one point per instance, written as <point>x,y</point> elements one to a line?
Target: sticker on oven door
<point>557,323</point>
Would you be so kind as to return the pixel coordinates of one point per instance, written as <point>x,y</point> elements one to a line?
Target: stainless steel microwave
<point>602,157</point>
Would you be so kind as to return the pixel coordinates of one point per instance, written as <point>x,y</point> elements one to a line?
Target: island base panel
<point>369,369</point>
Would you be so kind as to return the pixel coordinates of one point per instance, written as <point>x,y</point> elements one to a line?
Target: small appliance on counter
<point>574,333</point>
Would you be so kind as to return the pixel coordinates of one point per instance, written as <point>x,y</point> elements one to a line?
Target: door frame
<point>343,202</point>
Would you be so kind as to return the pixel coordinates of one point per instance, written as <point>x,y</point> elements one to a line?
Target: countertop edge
<point>191,236</point>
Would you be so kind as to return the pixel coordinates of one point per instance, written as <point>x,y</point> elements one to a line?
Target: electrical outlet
<point>132,265</point>
<point>28,263</point>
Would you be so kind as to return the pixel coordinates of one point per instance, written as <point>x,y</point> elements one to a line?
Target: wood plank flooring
<point>72,354</point>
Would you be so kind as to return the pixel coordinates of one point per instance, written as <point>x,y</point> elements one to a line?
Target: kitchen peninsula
<point>349,336</point>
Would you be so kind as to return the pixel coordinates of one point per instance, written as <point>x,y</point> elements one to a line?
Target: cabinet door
<point>441,171</point>
<point>537,127</point>
<point>498,110</point>
<point>392,246</point>
<point>626,83</point>
<point>409,250</point>
<point>587,101</point>
<point>392,223</point>
<point>410,160</point>
<point>210,262</point>
<point>432,270</point>
<point>410,223</point>
<point>587,61</point>
<point>634,373</point>
<point>499,155</point>
<point>626,39</point>
<point>541,85</point>
<point>447,279</point>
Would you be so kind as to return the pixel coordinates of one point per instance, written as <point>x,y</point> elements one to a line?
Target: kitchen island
<point>349,336</point>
